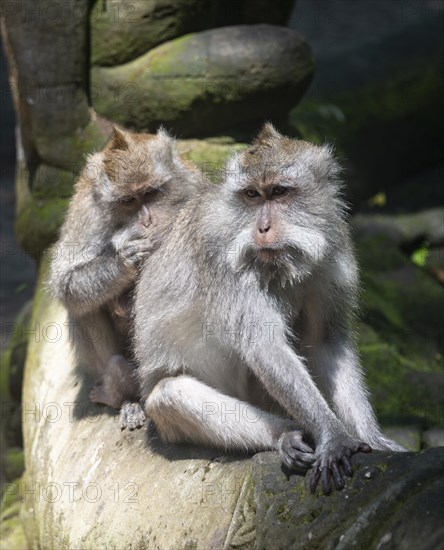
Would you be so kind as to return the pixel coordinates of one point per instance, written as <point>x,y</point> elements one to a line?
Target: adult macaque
<point>124,201</point>
<point>247,308</point>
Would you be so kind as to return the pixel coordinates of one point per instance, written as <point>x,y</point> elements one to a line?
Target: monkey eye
<point>150,192</point>
<point>278,191</point>
<point>252,193</point>
<point>126,200</point>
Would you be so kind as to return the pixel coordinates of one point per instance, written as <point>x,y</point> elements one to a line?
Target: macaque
<point>124,201</point>
<point>242,322</point>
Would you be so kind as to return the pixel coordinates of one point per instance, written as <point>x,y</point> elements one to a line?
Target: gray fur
<point>217,327</point>
<point>102,243</point>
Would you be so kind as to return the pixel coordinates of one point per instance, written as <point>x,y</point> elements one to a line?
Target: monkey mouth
<point>268,253</point>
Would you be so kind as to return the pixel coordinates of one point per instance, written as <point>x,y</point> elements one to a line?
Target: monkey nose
<point>264,229</point>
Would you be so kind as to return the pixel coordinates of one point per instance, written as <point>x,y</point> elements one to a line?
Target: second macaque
<point>124,201</point>
<point>248,308</point>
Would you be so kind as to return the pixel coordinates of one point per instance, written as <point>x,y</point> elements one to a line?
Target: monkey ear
<point>119,141</point>
<point>268,134</point>
<point>166,149</point>
<point>163,134</point>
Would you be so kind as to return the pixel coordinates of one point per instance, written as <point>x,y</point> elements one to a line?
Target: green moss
<point>68,151</point>
<point>391,100</point>
<point>5,359</point>
<point>283,513</point>
<point>176,85</point>
<point>399,339</point>
<point>17,340</point>
<point>121,31</point>
<point>37,224</point>
<point>13,463</point>
<point>12,532</point>
<point>419,256</point>
<point>52,183</point>
<point>376,254</point>
<point>209,156</point>
<point>371,127</point>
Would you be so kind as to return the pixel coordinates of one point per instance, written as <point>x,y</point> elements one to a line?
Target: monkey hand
<point>133,246</point>
<point>333,462</point>
<point>294,452</point>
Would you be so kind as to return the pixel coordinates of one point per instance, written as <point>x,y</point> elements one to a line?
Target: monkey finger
<point>302,462</point>
<point>337,476</point>
<point>314,478</point>
<point>326,481</point>
<point>123,418</point>
<point>306,458</point>
<point>300,467</point>
<point>364,448</point>
<point>303,448</point>
<point>347,466</point>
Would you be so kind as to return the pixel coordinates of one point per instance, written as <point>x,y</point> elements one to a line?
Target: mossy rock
<point>13,463</point>
<point>12,363</point>
<point>404,230</point>
<point>12,533</point>
<point>67,151</point>
<point>50,182</point>
<point>211,155</point>
<point>206,82</point>
<point>400,337</point>
<point>387,129</point>
<point>37,224</point>
<point>393,501</point>
<point>121,30</point>
<point>14,355</point>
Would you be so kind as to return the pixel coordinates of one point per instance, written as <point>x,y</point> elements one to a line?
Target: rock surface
<point>208,81</point>
<point>96,487</point>
<point>434,437</point>
<point>406,229</point>
<point>377,89</point>
<point>122,30</point>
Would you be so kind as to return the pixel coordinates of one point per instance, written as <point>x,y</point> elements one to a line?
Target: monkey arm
<point>327,342</point>
<point>84,285</point>
<point>284,375</point>
<point>270,357</point>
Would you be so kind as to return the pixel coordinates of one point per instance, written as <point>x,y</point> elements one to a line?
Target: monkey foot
<point>294,452</point>
<point>98,395</point>
<point>132,416</point>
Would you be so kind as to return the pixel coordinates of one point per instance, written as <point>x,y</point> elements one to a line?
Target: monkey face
<point>285,203</point>
<point>139,177</point>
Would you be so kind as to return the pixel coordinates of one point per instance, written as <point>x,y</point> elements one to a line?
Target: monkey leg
<point>95,339</point>
<point>117,384</point>
<point>118,388</point>
<point>187,410</point>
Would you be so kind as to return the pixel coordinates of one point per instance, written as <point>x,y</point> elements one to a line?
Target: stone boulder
<point>88,485</point>
<point>378,89</point>
<point>209,81</point>
<point>122,30</point>
<point>403,229</point>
